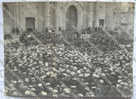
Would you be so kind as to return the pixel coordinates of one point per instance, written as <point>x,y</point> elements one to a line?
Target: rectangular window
<point>30,23</point>
<point>101,22</point>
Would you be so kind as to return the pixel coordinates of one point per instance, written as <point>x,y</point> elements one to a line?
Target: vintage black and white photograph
<point>78,49</point>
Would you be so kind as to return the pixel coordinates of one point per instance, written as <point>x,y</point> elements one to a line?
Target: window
<point>30,23</point>
<point>101,22</point>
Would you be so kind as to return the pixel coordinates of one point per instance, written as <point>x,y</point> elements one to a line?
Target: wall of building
<point>54,15</point>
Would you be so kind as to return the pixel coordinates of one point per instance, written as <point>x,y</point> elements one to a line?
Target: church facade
<point>68,15</point>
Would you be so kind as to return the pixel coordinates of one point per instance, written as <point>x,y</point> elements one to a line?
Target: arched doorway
<point>71,18</point>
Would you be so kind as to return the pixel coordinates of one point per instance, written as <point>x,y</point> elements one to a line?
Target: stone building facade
<point>65,15</point>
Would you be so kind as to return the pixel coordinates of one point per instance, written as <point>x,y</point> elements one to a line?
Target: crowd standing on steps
<point>49,64</point>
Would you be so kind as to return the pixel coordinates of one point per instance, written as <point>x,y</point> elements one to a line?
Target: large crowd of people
<point>60,69</point>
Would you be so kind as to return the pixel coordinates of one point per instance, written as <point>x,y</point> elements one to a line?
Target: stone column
<point>43,16</point>
<point>57,16</point>
<point>87,14</point>
<point>94,14</point>
<point>48,15</point>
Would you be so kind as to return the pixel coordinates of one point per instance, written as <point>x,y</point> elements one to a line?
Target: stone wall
<point>115,15</point>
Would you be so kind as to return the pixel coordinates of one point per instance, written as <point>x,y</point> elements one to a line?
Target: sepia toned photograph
<point>68,49</point>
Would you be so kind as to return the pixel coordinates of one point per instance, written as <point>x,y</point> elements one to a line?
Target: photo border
<point>2,49</point>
